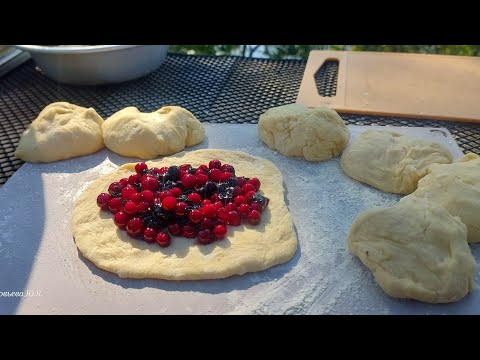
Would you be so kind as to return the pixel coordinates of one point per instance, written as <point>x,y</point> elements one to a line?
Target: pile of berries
<point>183,201</point>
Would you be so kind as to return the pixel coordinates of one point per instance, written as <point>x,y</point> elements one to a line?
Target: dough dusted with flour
<point>295,130</point>
<point>166,131</point>
<point>457,188</point>
<point>415,249</point>
<point>390,161</point>
<point>61,131</point>
<point>246,248</point>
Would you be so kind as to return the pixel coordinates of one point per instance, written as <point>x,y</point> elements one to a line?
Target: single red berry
<point>215,175</point>
<point>189,231</point>
<point>149,182</point>
<point>143,207</point>
<point>163,170</point>
<point>182,174</point>
<point>148,196</point>
<point>134,179</point>
<point>203,167</point>
<point>206,202</point>
<point>228,168</point>
<point>115,188</point>
<point>231,207</point>
<point>254,217</point>
<point>149,234</point>
<point>218,204</point>
<point>256,206</point>
<point>226,176</point>
<point>135,226</point>
<point>140,167</point>
<point>163,194</point>
<point>175,229</point>
<point>237,190</point>
<point>195,216</point>
<point>181,208</point>
<point>201,180</point>
<point>249,196</point>
<point>163,239</point>
<point>176,191</point>
<point>200,172</point>
<point>255,182</point>
<point>247,187</point>
<point>130,208</point>
<point>169,203</point>
<point>244,209</point>
<point>234,218</point>
<point>115,205</point>
<point>241,181</point>
<point>136,198</point>
<point>195,198</point>
<point>214,198</point>
<point>154,171</point>
<point>128,191</point>
<point>185,167</point>
<point>215,164</point>
<point>188,181</point>
<point>206,224</point>
<point>209,211</point>
<point>120,219</point>
<point>102,200</point>
<point>123,182</point>
<point>222,214</point>
<point>239,200</point>
<point>220,231</point>
<point>204,237</point>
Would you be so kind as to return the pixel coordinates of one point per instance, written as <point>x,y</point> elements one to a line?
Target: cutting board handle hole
<point>326,78</point>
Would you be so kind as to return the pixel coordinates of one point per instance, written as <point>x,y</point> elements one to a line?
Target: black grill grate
<point>222,89</point>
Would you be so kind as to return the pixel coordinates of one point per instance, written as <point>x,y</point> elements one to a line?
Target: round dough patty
<point>390,161</point>
<point>415,249</point>
<point>61,131</point>
<point>295,130</point>
<point>166,131</point>
<point>457,188</point>
<point>246,248</point>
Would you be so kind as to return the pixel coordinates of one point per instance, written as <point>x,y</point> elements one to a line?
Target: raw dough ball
<point>415,249</point>
<point>295,130</point>
<point>390,161</point>
<point>61,131</point>
<point>166,131</point>
<point>457,188</point>
<point>246,248</point>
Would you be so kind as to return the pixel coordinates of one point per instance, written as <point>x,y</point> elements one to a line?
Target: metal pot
<point>95,65</point>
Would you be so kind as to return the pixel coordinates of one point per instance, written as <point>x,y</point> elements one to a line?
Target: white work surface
<point>38,255</point>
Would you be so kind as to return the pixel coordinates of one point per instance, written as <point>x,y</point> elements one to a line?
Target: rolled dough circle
<point>246,248</point>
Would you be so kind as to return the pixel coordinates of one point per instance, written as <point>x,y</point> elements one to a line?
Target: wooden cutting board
<point>409,85</point>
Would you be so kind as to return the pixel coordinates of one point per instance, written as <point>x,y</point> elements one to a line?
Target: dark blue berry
<point>173,171</point>
<point>259,198</point>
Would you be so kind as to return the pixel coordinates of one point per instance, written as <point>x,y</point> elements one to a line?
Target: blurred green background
<point>302,51</point>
